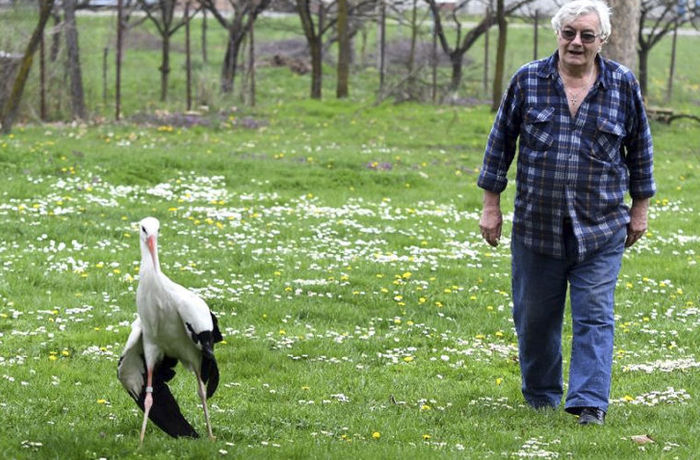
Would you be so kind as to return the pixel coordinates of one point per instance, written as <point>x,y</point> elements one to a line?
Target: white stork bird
<point>173,324</point>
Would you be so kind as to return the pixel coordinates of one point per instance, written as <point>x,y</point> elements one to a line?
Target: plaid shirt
<point>570,167</point>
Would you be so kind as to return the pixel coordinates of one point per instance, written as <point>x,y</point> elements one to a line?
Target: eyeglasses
<point>570,34</point>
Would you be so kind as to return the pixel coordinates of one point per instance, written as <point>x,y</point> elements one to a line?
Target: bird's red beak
<point>151,241</point>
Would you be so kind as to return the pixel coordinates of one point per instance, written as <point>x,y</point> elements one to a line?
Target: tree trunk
<point>73,62</point>
<point>434,65</point>
<point>9,111</point>
<point>204,36</point>
<point>672,66</point>
<point>118,61</point>
<point>412,51</point>
<point>622,44</point>
<point>343,50</point>
<point>316,68</point>
<point>500,56</point>
<point>228,72</point>
<point>536,35</point>
<point>382,46</point>
<point>456,79</point>
<point>486,51</point>
<point>251,63</point>
<point>164,67</point>
<point>643,69</point>
<point>55,37</point>
<point>188,57</point>
<point>42,78</point>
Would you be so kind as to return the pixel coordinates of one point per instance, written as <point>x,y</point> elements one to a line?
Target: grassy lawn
<point>337,242</point>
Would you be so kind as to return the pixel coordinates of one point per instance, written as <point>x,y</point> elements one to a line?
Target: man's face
<point>579,41</point>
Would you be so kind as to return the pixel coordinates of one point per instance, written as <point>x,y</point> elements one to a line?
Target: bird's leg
<point>147,403</point>
<point>203,396</point>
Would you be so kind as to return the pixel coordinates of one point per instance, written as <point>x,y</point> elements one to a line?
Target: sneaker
<point>591,416</point>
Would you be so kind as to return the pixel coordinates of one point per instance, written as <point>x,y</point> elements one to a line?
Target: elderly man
<point>584,141</point>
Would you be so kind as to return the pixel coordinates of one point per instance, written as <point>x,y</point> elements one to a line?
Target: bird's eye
<point>143,229</point>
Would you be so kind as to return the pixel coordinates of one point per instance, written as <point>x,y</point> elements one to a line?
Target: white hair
<point>572,10</point>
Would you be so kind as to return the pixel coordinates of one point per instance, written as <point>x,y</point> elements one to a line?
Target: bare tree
<point>534,14</point>
<point>457,51</point>
<point>9,111</point>
<point>662,16</point>
<point>622,44</point>
<point>125,8</point>
<point>167,26</point>
<point>326,19</point>
<point>314,36</point>
<point>245,13</point>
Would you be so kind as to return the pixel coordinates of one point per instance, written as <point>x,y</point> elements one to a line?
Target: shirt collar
<point>549,69</point>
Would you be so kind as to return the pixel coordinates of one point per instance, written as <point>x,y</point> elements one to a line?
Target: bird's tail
<point>165,412</point>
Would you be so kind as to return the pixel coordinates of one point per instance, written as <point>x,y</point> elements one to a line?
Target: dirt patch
<point>191,119</point>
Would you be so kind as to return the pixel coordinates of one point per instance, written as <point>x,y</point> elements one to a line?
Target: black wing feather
<point>210,369</point>
<point>165,412</point>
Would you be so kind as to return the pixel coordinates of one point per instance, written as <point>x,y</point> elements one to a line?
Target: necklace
<point>573,95</point>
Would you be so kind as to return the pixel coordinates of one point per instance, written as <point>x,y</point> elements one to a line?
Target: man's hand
<point>638,221</point>
<point>491,220</point>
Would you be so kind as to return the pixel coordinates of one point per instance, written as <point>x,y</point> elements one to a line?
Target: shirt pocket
<point>608,140</point>
<point>537,128</point>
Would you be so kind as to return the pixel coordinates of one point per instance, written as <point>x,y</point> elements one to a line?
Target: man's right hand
<point>491,220</point>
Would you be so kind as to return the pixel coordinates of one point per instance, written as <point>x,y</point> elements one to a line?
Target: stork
<point>173,324</point>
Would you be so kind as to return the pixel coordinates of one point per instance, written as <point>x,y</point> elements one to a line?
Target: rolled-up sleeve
<point>501,144</point>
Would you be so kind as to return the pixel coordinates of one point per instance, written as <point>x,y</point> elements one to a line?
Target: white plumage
<point>173,324</point>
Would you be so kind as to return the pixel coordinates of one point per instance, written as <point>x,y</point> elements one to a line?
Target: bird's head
<point>148,230</point>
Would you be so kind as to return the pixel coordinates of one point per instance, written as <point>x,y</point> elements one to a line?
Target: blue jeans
<point>539,285</point>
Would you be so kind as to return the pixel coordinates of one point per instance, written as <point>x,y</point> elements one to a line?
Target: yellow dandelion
<point>376,435</point>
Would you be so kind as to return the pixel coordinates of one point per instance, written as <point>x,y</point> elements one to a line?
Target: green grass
<point>338,243</point>
<point>339,246</point>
